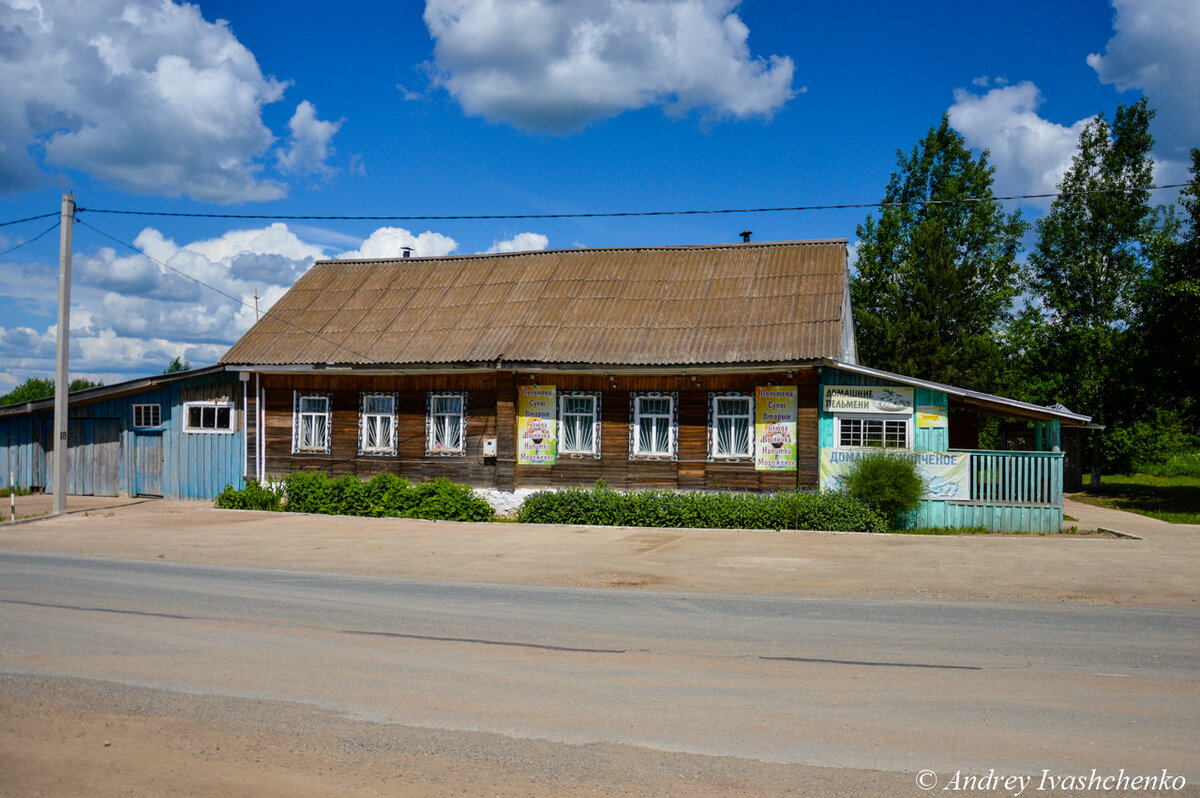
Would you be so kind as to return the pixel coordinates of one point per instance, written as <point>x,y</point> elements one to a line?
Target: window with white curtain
<point>446,424</point>
<point>377,424</point>
<point>578,424</point>
<point>732,426</point>
<point>311,423</point>
<point>880,433</point>
<point>653,425</point>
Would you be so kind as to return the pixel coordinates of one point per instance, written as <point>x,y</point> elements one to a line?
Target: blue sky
<point>504,107</point>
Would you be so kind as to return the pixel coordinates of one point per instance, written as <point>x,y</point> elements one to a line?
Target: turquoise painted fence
<point>1010,492</point>
<point>1021,477</point>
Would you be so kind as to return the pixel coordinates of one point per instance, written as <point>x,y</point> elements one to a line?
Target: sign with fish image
<point>947,475</point>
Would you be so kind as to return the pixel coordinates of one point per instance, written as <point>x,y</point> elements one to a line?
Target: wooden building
<point>730,366</point>
<point>179,436</point>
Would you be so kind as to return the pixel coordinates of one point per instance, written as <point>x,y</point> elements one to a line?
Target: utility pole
<point>61,383</point>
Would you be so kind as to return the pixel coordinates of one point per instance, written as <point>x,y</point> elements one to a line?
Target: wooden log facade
<point>491,413</point>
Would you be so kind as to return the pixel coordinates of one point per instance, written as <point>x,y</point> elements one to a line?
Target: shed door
<point>148,463</point>
<point>93,456</point>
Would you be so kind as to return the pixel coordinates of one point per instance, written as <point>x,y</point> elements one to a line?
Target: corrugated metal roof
<point>728,303</point>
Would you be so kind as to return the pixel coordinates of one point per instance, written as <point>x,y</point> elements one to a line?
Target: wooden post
<point>61,379</point>
<point>1095,481</point>
<point>506,430</point>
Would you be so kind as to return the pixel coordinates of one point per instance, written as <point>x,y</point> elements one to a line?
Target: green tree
<point>1089,268</point>
<point>936,277</point>
<point>177,364</point>
<point>35,388</point>
<point>1170,312</point>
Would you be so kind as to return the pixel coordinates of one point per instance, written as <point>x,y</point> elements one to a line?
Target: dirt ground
<point>64,737</point>
<point>1156,570</point>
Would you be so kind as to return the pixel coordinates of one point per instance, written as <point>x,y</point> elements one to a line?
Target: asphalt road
<point>832,682</point>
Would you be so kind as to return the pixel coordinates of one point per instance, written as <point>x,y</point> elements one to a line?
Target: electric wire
<point>35,238</point>
<point>617,214</point>
<point>30,218</point>
<point>238,300</point>
<point>604,214</point>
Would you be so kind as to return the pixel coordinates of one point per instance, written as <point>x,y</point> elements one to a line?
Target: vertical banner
<point>537,438</point>
<point>775,428</point>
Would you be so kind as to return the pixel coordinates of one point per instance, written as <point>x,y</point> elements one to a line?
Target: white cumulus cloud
<point>521,242</point>
<point>555,66</point>
<point>144,94</point>
<point>308,148</point>
<point>390,242</point>
<point>1030,153</point>
<point>1156,48</point>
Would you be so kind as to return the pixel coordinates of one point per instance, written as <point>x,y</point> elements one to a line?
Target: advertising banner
<point>873,399</point>
<point>947,475</point>
<point>931,417</point>
<point>537,438</point>
<point>775,428</point>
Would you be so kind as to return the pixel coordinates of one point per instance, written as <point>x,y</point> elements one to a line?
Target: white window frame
<point>594,451</point>
<point>715,420</point>
<point>297,422</point>
<point>431,424</point>
<point>215,406</point>
<point>843,418</point>
<point>146,408</point>
<point>365,420</point>
<point>635,424</point>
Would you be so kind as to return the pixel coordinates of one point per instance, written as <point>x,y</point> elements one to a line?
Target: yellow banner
<point>537,432</point>
<point>775,428</point>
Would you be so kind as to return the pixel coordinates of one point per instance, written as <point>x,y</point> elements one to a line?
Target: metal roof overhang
<point>998,404</point>
<point>110,391</point>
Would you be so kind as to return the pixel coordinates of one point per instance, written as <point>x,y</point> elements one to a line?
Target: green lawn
<point>1173,499</point>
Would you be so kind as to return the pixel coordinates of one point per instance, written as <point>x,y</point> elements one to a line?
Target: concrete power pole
<point>61,383</point>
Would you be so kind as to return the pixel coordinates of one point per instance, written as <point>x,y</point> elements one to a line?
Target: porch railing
<point>1016,477</point>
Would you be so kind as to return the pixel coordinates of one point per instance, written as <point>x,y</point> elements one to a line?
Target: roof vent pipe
<point>407,251</point>
<point>745,234</point>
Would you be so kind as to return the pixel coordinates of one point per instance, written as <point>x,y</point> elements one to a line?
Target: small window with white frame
<point>147,416</point>
<point>731,427</point>
<point>579,424</point>
<point>311,422</point>
<point>873,432</point>
<point>653,428</point>
<point>377,424</point>
<point>446,424</point>
<point>208,417</point>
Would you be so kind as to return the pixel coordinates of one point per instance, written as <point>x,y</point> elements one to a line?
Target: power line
<point>612,214</point>
<point>35,238</point>
<point>600,214</point>
<point>238,300</point>
<point>30,219</point>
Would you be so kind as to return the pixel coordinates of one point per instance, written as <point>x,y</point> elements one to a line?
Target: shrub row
<point>656,508</point>
<point>384,496</point>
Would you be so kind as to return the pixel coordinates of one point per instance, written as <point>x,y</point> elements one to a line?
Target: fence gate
<point>93,456</point>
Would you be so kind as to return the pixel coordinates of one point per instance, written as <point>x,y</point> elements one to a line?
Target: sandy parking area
<point>1158,569</point>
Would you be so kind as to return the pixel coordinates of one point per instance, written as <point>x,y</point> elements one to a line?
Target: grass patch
<point>5,492</point>
<point>1175,499</point>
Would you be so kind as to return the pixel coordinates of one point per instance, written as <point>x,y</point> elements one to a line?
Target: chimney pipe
<point>746,236</point>
<point>407,251</point>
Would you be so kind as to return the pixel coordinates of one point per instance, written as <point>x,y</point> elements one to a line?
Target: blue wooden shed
<point>178,436</point>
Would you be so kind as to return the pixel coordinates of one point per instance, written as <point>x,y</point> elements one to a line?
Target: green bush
<point>886,482</point>
<point>1140,445</point>
<point>661,508</point>
<point>1184,464</point>
<point>252,496</point>
<point>384,496</point>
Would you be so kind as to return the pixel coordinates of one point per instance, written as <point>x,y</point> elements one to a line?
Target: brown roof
<point>730,303</point>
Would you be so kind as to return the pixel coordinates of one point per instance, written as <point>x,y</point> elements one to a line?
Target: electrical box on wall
<point>489,447</point>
